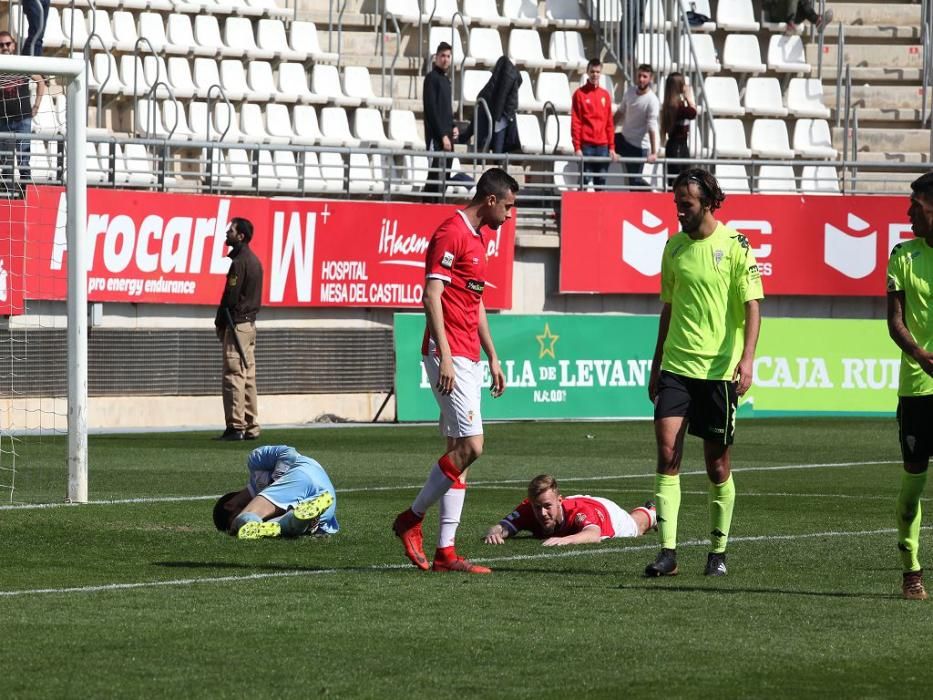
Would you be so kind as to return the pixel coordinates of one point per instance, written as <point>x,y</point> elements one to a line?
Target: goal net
<point>43,292</point>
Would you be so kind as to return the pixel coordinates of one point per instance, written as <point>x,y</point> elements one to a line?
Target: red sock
<point>445,553</point>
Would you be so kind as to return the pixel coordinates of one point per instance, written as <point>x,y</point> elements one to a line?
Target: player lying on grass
<point>573,520</point>
<point>287,495</point>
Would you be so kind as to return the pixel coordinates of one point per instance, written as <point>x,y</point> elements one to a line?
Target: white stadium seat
<point>260,81</point>
<point>278,122</point>
<point>523,13</point>
<point>369,129</point>
<point>566,14</point>
<point>706,59</point>
<point>305,125</point>
<point>819,179</point>
<point>485,46</point>
<point>733,179</point>
<point>722,96</point>
<point>293,85</point>
<point>805,98</point>
<point>654,50</point>
<point>527,102</point>
<point>554,87</point>
<point>525,49</point>
<point>270,36</point>
<point>238,34</point>
<point>404,129</point>
<point>775,179</point>
<point>484,12</point>
<point>813,139</point>
<point>769,139</point>
<point>566,48</point>
<point>741,54</point>
<point>557,137</point>
<point>302,37</point>
<point>180,32</point>
<point>529,133</point>
<point>786,54</point>
<point>358,84</point>
<point>730,139</point>
<point>335,128</point>
<point>472,82</point>
<point>763,97</point>
<point>736,16</point>
<point>325,80</point>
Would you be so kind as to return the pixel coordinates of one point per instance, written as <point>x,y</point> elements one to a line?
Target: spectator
<point>235,323</point>
<point>36,13</point>
<point>440,132</point>
<point>676,113</point>
<point>16,114</point>
<point>796,11</point>
<point>591,124</point>
<point>638,115</point>
<point>500,94</point>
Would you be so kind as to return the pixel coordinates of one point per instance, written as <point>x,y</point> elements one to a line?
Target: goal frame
<point>72,71</point>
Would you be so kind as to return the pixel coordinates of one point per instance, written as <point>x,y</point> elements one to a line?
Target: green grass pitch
<point>147,599</point>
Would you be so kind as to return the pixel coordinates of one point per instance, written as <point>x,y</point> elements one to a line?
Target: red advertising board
<point>611,243</point>
<point>12,235</point>
<point>149,247</point>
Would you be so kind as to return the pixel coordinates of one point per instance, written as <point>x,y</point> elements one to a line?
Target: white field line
<point>501,482</point>
<point>551,554</point>
<point>741,493</point>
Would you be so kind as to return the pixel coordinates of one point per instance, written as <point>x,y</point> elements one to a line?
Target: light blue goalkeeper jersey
<point>286,477</point>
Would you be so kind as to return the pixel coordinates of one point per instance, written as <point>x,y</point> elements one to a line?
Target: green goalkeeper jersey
<point>910,270</point>
<point>707,283</point>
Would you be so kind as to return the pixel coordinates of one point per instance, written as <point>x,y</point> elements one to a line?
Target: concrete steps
<point>884,140</point>
<point>870,55</point>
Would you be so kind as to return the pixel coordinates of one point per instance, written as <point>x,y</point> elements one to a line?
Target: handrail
<point>210,112</point>
<point>704,118</point>
<point>819,41</point>
<point>854,146</point>
<point>614,33</point>
<point>464,49</point>
<point>549,111</point>
<point>927,76</point>
<point>387,15</point>
<point>151,122</point>
<point>840,51</point>
<point>137,64</point>
<point>100,83</point>
<point>481,101</point>
<point>171,95</point>
<point>846,111</point>
<point>343,8</point>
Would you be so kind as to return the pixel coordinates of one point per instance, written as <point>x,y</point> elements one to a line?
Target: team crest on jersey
<point>232,280</point>
<point>580,518</point>
<point>470,417</point>
<point>717,256</point>
<point>448,260</point>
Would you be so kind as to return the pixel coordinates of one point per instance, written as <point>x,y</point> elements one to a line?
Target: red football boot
<point>407,527</point>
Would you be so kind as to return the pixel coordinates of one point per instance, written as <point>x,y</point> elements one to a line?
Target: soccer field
<point>144,598</point>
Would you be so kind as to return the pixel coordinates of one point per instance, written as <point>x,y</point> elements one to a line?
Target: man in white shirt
<point>638,114</point>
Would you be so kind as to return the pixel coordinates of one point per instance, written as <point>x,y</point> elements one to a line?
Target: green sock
<point>667,502</point>
<point>721,501</point>
<point>908,519</point>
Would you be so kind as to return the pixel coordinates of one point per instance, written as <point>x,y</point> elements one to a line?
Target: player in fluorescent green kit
<point>710,287</point>
<point>910,323</point>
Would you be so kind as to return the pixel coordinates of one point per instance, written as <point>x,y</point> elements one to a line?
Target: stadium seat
<point>179,32</point>
<point>104,75</point>
<point>45,121</point>
<point>416,168</point>
<point>187,7</point>
<point>369,130</point>
<point>253,126</point>
<point>233,80</point>
<point>271,36</point>
<point>700,7</point>
<point>555,88</point>
<point>325,80</point>
<point>175,122</point>
<point>54,37</point>
<point>206,74</point>
<point>442,11</point>
<point>471,83</point>
<point>358,84</point>
<point>566,48</point>
<point>730,139</point>
<point>311,172</point>
<point>124,30</point>
<point>525,49</point>
<point>404,129</point>
<point>485,46</point>
<point>654,50</point>
<point>207,35</point>
<point>405,11</point>
<point>523,13</point>
<point>786,54</point>
<point>775,179</point>
<point>239,167</point>
<point>200,122</point>
<point>95,171</point>
<point>132,74</point>
<point>733,179</point>
<point>567,175</point>
<point>238,35</point>
<point>151,26</point>
<point>305,125</point>
<point>707,61</point>
<point>277,170</point>
<point>98,22</point>
<point>245,9</point>
<point>362,175</point>
<point>137,165</point>
<point>819,179</point>
<point>805,98</point>
<point>293,85</point>
<point>333,171</point>
<point>271,9</point>
<point>395,172</point>
<point>484,12</point>
<point>813,139</point>
<point>736,16</point>
<point>278,122</point>
<point>653,17</point>
<point>43,161</point>
<point>260,81</point>
<point>606,10</point>
<point>769,139</point>
<point>178,74</point>
<point>74,28</point>
<point>527,102</point>
<point>741,54</point>
<point>335,128</point>
<point>147,120</point>
<point>302,37</point>
<point>227,122</point>
<point>763,97</point>
<point>565,14</point>
<point>557,137</point>
<point>529,133</point>
<point>722,97</point>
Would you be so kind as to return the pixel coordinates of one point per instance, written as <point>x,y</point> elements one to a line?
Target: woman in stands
<point>677,110</point>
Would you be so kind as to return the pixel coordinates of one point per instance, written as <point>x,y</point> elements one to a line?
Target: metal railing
<point>464,49</point>
<point>386,18</point>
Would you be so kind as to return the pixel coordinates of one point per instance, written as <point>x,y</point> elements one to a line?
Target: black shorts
<point>915,427</point>
<point>708,404</point>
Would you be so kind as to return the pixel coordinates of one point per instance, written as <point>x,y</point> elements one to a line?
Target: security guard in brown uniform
<point>236,329</point>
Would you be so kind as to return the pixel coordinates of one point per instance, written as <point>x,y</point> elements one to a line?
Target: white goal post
<point>71,73</point>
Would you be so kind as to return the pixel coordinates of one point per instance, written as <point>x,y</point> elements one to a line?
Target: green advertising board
<point>597,366</point>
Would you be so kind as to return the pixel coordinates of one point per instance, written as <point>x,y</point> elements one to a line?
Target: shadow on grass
<point>754,591</point>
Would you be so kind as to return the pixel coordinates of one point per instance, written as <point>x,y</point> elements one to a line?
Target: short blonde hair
<point>542,483</point>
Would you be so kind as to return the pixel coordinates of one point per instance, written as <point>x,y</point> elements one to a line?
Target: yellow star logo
<point>547,339</point>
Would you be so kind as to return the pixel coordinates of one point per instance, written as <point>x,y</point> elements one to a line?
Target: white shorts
<point>460,410</point>
<point>623,524</point>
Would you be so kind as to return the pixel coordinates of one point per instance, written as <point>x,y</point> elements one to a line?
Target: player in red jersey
<point>456,329</point>
<point>573,520</point>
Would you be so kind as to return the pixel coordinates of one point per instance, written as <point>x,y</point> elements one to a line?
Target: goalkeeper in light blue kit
<point>288,495</point>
